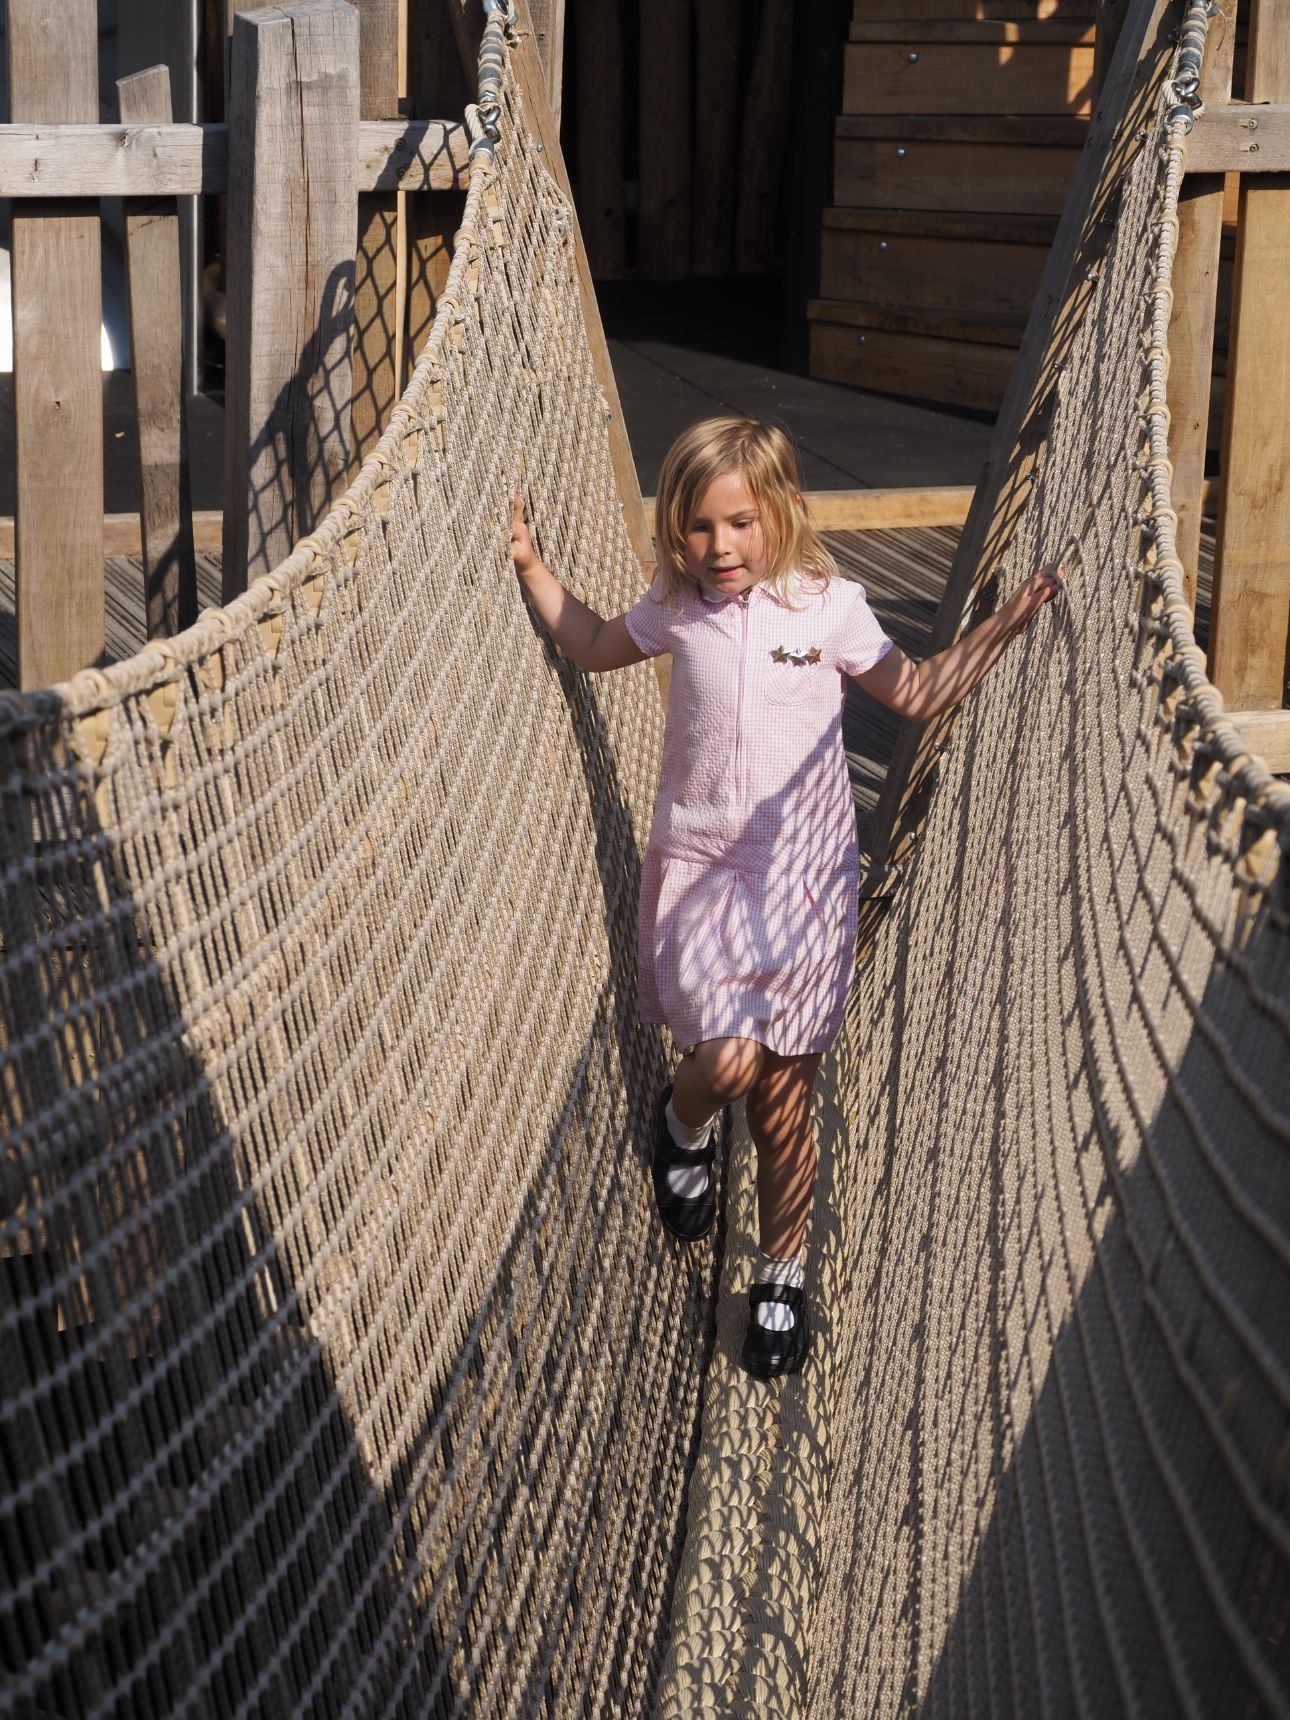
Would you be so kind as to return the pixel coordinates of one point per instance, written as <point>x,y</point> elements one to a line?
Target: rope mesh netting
<point>346,1369</point>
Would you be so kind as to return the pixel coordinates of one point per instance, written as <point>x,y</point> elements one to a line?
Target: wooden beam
<point>761,152</point>
<point>548,31</point>
<point>1250,613</point>
<point>437,83</point>
<point>988,32</point>
<point>380,263</point>
<point>1110,21</point>
<point>192,160</point>
<point>526,68</point>
<point>1118,125</point>
<point>665,169</point>
<point>157,364</point>
<point>1239,137</point>
<point>58,401</point>
<point>1266,733</point>
<point>716,136</point>
<point>600,153</point>
<point>1191,323</point>
<point>291,226</point>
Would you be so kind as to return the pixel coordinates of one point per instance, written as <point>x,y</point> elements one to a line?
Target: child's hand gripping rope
<point>1032,594</point>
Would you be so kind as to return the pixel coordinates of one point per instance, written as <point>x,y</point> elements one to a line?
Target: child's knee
<point>730,1066</point>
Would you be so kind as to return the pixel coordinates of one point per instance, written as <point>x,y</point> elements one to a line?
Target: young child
<point>748,892</point>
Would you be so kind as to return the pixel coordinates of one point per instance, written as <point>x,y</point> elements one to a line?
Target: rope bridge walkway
<point>346,1368</point>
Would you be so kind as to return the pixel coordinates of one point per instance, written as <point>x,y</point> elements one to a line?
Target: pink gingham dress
<point>748,892</point>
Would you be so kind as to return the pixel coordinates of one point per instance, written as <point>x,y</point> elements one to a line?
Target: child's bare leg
<point>779,1120</point>
<point>712,1074</point>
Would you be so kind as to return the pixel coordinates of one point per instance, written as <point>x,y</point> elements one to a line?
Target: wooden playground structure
<point>344,183</point>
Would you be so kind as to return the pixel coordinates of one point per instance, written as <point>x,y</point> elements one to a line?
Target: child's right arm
<point>586,638</point>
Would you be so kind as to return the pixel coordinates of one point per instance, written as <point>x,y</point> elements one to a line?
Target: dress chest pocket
<point>796,674</point>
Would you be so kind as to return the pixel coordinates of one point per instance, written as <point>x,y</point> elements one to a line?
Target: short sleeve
<point>861,641</point>
<point>651,620</point>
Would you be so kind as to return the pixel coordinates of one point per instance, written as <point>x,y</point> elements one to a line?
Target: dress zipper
<point>739,714</point>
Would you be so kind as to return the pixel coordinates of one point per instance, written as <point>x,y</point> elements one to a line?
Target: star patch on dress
<point>799,655</point>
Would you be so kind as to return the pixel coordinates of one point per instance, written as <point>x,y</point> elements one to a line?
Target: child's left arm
<point>924,690</point>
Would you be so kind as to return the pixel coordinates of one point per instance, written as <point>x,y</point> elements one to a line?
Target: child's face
<point>725,550</point>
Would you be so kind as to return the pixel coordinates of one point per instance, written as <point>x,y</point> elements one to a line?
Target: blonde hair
<point>764,458</point>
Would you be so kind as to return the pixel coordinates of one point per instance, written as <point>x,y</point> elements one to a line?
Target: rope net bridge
<point>346,1370</point>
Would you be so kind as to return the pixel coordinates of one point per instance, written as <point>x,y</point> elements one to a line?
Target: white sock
<point>777,1316</point>
<point>689,1181</point>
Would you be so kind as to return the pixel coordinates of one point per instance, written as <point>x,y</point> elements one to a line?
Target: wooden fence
<point>341,205</point>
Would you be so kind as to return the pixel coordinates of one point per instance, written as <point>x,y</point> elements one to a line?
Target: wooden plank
<point>1118,126</point>
<point>716,135</point>
<point>548,32</point>
<point>867,510</point>
<point>995,178</point>
<point>378,58</point>
<point>191,160</point>
<point>157,362</point>
<point>1251,610</point>
<point>939,224</point>
<point>980,33</point>
<point>1110,21</point>
<point>380,262</point>
<point>665,167</point>
<point>291,226</point>
<point>1192,320</point>
<point>966,78</point>
<point>526,69</point>
<point>1237,137</point>
<point>994,328</point>
<point>58,407</point>
<point>964,276</point>
<point>598,33</point>
<point>1266,733</point>
<point>956,372</point>
<point>1044,131</point>
<point>123,534</point>
<point>883,11</point>
<point>437,83</point>
<point>764,142</point>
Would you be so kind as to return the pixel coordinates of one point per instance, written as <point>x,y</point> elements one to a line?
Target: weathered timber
<point>950,174</point>
<point>600,163</point>
<point>1266,733</point>
<point>665,167</point>
<point>1251,613</point>
<point>1192,320</point>
<point>380,262</point>
<point>58,409</point>
<point>292,218</point>
<point>1239,137</point>
<point>761,149</point>
<point>157,349</point>
<point>437,83</point>
<point>967,76</point>
<point>716,136</point>
<point>548,32</point>
<point>190,160</point>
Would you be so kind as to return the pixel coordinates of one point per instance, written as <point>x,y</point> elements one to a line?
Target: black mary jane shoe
<point>766,1354</point>
<point>688,1219</point>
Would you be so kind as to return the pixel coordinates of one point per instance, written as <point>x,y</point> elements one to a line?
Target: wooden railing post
<point>380,286</point>
<point>157,361</point>
<point>292,221</point>
<point>58,395</point>
<point>1191,327</point>
<point>1250,616</point>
